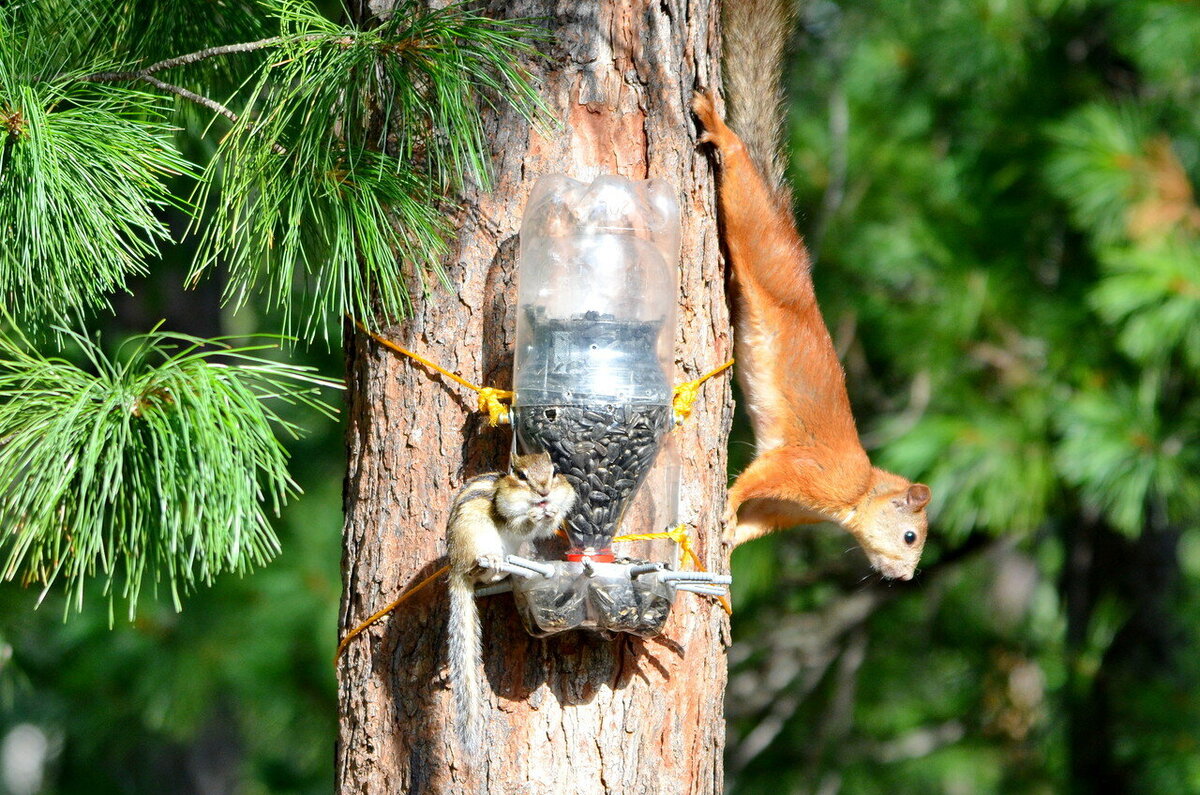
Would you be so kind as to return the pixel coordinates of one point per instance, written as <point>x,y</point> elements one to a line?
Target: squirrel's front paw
<point>729,524</point>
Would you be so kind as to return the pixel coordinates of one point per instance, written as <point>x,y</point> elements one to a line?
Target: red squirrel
<point>810,465</point>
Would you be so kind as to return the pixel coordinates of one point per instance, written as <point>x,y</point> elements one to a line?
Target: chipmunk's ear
<point>917,497</point>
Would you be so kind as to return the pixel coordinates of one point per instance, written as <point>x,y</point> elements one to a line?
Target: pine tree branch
<point>199,99</point>
<point>345,204</point>
<point>211,52</point>
<point>148,445</point>
<point>190,58</point>
<point>145,75</point>
<point>191,96</point>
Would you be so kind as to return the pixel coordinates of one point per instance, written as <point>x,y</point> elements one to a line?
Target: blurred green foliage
<point>235,693</point>
<point>1000,197</point>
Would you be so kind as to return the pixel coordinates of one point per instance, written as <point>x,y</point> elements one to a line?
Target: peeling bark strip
<point>573,713</point>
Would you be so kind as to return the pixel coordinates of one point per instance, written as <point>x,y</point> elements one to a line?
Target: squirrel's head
<point>890,524</point>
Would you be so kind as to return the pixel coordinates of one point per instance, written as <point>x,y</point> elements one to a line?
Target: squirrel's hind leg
<point>713,127</point>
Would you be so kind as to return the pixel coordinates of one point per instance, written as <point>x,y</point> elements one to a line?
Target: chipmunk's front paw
<point>490,568</point>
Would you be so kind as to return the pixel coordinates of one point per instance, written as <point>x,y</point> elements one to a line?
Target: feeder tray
<point>601,596</point>
<point>606,597</point>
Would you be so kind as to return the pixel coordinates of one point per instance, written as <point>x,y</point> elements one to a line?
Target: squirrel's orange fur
<point>811,466</point>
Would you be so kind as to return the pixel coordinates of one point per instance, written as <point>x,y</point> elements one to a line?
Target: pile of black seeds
<point>604,451</point>
<point>615,602</point>
<point>654,605</point>
<point>629,606</point>
<point>546,611</point>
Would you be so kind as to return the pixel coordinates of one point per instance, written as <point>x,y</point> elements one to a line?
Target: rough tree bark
<point>573,713</point>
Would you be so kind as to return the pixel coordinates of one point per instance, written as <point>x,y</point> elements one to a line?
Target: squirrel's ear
<point>918,496</point>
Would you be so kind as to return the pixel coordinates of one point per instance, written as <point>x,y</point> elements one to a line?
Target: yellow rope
<point>491,400</point>
<point>489,397</point>
<point>679,535</point>
<point>687,392</point>
<point>378,614</point>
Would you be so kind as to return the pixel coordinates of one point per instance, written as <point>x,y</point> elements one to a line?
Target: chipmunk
<point>810,465</point>
<point>492,515</point>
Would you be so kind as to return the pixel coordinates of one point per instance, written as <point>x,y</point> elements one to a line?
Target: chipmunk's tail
<point>755,34</point>
<point>465,653</point>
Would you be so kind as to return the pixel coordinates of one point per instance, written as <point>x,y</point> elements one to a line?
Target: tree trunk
<point>574,713</point>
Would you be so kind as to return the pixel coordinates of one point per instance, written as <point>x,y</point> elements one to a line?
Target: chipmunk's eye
<point>520,473</point>
<point>910,538</point>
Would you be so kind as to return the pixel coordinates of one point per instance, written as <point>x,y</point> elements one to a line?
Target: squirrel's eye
<point>910,538</point>
<point>520,473</point>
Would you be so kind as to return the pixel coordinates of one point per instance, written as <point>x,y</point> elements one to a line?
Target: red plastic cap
<point>588,553</point>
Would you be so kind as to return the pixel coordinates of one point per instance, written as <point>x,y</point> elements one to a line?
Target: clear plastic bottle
<point>594,361</point>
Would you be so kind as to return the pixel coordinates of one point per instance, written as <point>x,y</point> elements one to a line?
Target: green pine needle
<point>310,212</point>
<point>153,31</point>
<point>82,171</point>
<point>324,251</point>
<point>988,471</point>
<point>161,463</point>
<point>1094,167</point>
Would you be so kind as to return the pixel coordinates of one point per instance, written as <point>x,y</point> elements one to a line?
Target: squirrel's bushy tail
<point>755,34</point>
<point>466,644</point>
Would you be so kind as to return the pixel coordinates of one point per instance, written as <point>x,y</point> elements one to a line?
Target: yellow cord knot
<point>681,403</point>
<point>686,393</point>
<point>490,401</point>
<point>678,534</point>
<point>490,398</point>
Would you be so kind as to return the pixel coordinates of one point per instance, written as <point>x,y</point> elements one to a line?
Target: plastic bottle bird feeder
<point>592,382</point>
<point>595,336</point>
